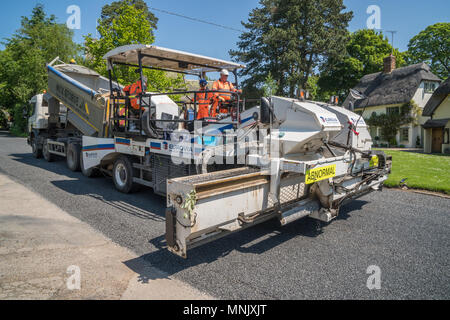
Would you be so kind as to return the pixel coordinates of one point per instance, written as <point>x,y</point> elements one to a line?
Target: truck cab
<point>38,122</point>
<point>40,113</point>
<point>39,117</point>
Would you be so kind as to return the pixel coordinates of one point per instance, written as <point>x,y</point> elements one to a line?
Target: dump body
<point>84,93</point>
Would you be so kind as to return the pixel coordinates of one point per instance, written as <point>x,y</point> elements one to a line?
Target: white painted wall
<point>420,97</point>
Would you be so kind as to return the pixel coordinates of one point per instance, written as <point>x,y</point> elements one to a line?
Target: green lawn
<point>424,171</point>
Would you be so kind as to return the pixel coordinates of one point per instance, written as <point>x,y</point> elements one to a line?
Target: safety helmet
<point>72,61</point>
<point>203,83</point>
<point>224,72</point>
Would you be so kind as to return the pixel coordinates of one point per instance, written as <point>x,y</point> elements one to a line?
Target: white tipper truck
<point>284,158</point>
<point>73,106</point>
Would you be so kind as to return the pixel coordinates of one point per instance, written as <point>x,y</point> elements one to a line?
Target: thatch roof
<point>436,99</point>
<point>396,87</point>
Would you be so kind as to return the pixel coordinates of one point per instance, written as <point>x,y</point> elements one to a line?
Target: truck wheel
<point>37,152</point>
<point>45,152</point>
<point>90,173</point>
<point>73,157</point>
<point>123,174</point>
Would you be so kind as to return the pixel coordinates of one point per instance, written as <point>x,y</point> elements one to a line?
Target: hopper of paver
<point>354,133</point>
<point>302,125</point>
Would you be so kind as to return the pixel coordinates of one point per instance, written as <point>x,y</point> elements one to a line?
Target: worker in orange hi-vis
<point>133,91</point>
<point>222,85</point>
<point>204,100</point>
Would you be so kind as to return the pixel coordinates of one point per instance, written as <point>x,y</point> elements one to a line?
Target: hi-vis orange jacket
<point>221,86</point>
<point>203,101</point>
<point>134,90</point>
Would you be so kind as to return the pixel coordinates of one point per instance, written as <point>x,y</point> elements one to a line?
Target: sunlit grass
<point>423,171</point>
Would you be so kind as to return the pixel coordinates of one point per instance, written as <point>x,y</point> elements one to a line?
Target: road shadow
<point>347,209</point>
<point>146,205</point>
<point>255,240</point>
<point>143,204</point>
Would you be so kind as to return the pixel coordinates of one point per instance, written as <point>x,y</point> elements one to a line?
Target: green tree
<point>432,46</point>
<point>3,119</point>
<point>22,63</point>
<point>365,52</point>
<point>316,93</point>
<point>270,86</point>
<point>289,39</point>
<point>128,24</point>
<point>113,10</point>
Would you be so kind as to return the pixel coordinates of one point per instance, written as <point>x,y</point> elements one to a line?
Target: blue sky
<point>406,17</point>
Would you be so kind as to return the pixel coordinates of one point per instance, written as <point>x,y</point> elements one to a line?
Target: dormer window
<point>429,87</point>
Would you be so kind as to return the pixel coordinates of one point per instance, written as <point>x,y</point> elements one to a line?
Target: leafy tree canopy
<point>39,40</point>
<point>113,10</point>
<point>123,23</point>
<point>432,46</point>
<point>366,50</point>
<point>289,39</point>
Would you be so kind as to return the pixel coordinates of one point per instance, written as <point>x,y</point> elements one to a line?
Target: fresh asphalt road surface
<point>406,235</point>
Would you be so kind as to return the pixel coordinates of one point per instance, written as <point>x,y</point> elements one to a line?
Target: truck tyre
<point>123,173</point>
<point>45,152</point>
<point>37,151</point>
<point>73,156</point>
<point>90,173</point>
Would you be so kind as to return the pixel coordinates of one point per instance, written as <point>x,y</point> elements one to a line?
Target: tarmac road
<point>406,235</point>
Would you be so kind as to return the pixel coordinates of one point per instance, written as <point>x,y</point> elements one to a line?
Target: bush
<point>391,123</point>
<point>418,141</point>
<point>3,120</point>
<point>20,123</point>
<point>393,142</point>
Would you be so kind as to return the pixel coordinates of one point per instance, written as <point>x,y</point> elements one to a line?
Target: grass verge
<point>423,171</point>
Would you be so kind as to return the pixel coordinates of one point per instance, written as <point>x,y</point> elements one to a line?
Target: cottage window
<point>429,87</point>
<point>393,110</point>
<point>404,134</point>
<point>447,136</point>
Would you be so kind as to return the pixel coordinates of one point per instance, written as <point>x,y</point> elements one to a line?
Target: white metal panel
<point>163,58</point>
<point>95,149</point>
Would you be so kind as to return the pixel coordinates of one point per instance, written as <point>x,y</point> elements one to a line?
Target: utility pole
<point>392,32</point>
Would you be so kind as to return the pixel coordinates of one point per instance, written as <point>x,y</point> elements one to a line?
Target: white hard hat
<point>224,72</point>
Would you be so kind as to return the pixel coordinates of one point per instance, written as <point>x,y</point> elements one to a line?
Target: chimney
<point>389,64</point>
